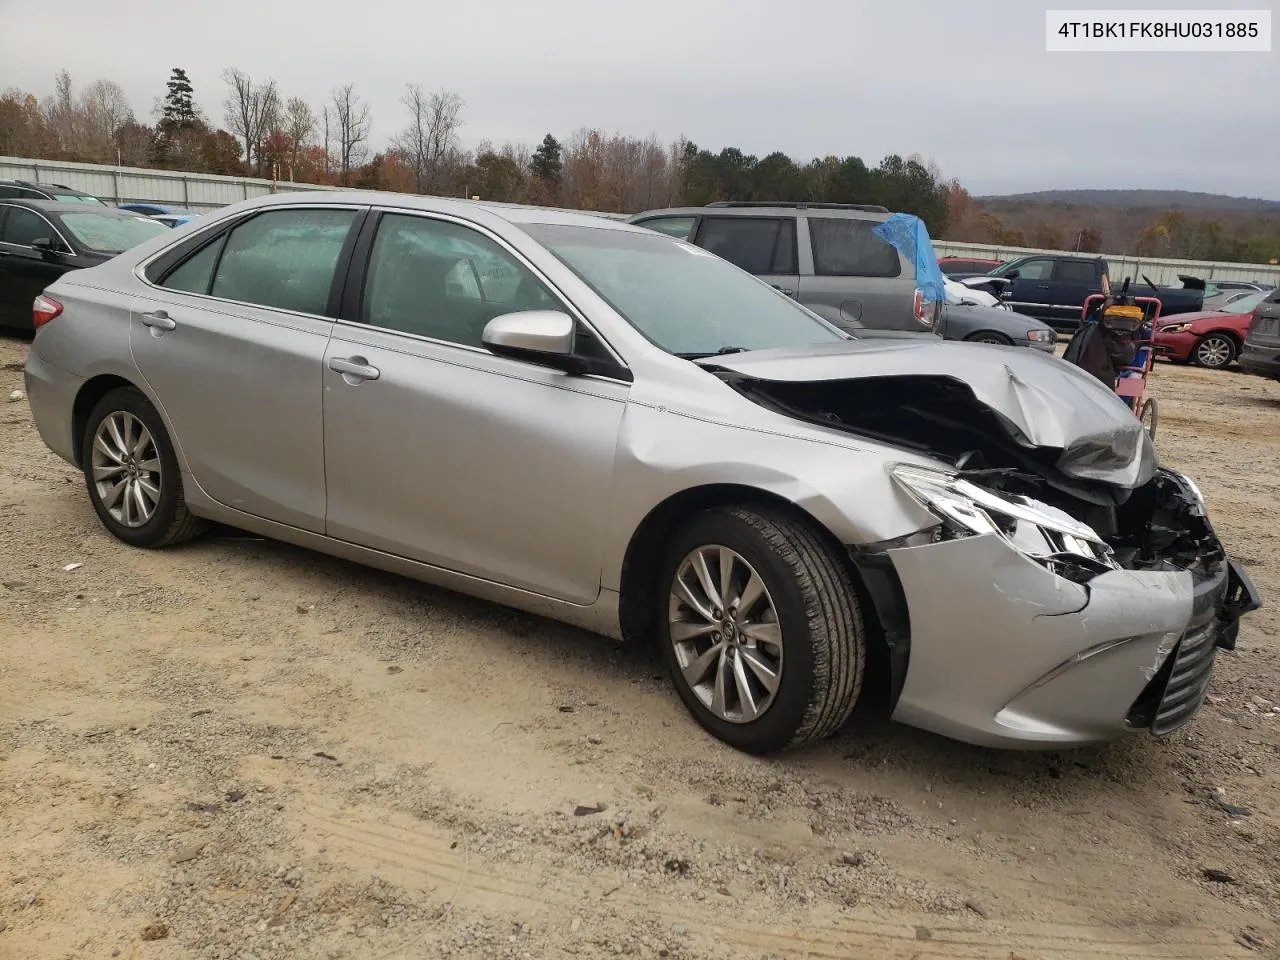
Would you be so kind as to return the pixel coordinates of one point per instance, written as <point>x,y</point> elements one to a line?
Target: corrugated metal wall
<point>1160,271</point>
<point>201,191</point>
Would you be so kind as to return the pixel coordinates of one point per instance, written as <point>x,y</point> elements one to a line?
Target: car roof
<point>514,213</point>
<point>61,206</point>
<point>50,187</point>
<point>772,210</point>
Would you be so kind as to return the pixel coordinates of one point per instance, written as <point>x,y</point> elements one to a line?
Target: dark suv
<point>1261,351</point>
<point>825,255</point>
<point>27,190</point>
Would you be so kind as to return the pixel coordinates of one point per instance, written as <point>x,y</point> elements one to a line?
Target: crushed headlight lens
<point>1172,328</point>
<point>1037,530</point>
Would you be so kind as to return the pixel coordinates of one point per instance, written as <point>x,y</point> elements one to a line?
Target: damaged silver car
<point>619,430</point>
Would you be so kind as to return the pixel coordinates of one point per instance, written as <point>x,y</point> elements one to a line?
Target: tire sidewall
<point>991,340</point>
<point>129,400</point>
<point>777,727</point>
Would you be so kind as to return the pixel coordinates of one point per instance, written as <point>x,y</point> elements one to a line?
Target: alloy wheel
<point>126,469</point>
<point>1213,352</point>
<point>725,633</point>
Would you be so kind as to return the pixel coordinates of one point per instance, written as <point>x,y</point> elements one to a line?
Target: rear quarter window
<point>847,247</point>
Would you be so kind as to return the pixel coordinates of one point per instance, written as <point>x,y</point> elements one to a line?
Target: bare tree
<point>430,142</point>
<point>351,118</point>
<point>104,109</point>
<point>251,111</point>
<point>298,126</point>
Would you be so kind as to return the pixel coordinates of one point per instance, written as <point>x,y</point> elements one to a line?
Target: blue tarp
<point>908,233</point>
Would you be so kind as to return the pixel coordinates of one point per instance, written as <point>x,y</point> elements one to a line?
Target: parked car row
<point>595,422</point>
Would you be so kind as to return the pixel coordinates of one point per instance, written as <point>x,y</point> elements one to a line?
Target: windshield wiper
<point>715,353</point>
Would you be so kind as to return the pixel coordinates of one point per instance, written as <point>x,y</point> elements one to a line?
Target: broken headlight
<point>1042,532</point>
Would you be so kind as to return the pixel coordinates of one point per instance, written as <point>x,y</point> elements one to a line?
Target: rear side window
<point>677,227</point>
<point>284,259</point>
<point>845,247</point>
<point>759,245</point>
<point>195,274</point>
<point>1075,271</point>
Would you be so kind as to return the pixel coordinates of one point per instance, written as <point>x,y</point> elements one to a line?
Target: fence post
<point>186,195</point>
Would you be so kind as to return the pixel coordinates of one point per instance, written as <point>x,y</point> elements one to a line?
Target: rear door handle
<point>158,320</point>
<point>356,367</point>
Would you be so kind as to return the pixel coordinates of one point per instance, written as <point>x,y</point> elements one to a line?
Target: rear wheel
<point>990,336</point>
<point>1149,417</point>
<point>132,474</point>
<point>760,628</point>
<point>1214,351</point>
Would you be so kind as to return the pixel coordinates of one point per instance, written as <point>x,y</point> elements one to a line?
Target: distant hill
<point>1140,199</point>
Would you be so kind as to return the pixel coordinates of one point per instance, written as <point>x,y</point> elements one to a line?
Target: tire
<point>1214,351</point>
<point>1149,417</point>
<point>990,336</point>
<point>821,649</point>
<point>169,521</point>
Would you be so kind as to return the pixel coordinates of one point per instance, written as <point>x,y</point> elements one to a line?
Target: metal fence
<point>203,191</point>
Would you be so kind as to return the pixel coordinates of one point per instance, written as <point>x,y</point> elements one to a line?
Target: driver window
<point>442,280</point>
<point>1035,270</point>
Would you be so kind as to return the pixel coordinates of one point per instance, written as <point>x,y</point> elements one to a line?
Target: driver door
<point>441,452</point>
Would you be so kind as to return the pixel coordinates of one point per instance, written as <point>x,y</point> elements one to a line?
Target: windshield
<point>687,301</point>
<point>1245,304</point>
<point>109,233</point>
<point>77,198</point>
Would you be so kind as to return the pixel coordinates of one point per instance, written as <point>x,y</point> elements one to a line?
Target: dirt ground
<point>238,749</point>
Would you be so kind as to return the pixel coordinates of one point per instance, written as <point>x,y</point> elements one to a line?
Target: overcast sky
<point>964,82</point>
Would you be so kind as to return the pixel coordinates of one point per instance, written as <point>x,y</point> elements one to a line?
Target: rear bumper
<point>51,392</point>
<point>1261,358</point>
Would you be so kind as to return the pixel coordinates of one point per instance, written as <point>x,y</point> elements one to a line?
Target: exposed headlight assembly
<point>1037,530</point>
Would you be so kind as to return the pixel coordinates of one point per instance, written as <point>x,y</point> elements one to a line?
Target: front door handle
<point>158,320</point>
<point>355,367</point>
<point>781,289</point>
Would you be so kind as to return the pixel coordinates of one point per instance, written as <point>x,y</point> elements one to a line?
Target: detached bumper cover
<point>1004,653</point>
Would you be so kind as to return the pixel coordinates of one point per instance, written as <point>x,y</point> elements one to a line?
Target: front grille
<point>1191,670</point>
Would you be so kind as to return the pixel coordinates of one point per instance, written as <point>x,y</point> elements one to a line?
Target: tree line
<point>259,130</point>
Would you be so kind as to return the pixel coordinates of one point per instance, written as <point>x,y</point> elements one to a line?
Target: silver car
<point>616,429</point>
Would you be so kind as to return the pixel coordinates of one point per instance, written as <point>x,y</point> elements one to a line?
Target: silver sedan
<point>619,430</point>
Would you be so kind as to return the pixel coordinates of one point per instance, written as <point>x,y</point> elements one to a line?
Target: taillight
<point>926,311</point>
<point>44,309</point>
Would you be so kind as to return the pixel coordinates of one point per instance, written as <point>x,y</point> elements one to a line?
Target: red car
<point>1210,339</point>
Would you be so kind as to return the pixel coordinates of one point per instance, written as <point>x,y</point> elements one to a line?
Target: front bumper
<point>1004,653</point>
<point>1174,346</point>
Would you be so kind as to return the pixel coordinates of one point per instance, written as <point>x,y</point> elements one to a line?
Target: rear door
<point>855,279</point>
<point>25,271</point>
<point>232,341</point>
<point>1073,282</point>
<point>764,246</point>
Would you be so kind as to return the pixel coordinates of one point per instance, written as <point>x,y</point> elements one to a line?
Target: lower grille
<point>1192,669</point>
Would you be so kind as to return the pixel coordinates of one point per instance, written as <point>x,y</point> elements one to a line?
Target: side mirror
<point>539,336</point>
<point>49,248</point>
<point>1013,274</point>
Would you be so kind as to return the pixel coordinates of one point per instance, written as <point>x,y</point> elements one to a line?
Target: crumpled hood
<point>1040,400</point>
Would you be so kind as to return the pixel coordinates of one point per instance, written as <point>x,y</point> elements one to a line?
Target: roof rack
<point>801,205</point>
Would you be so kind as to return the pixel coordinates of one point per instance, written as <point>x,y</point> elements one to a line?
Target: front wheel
<point>1215,351</point>
<point>990,336</point>
<point>760,628</point>
<point>132,474</point>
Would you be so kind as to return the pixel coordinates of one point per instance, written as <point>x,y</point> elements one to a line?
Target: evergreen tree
<point>546,163</point>
<point>179,109</point>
